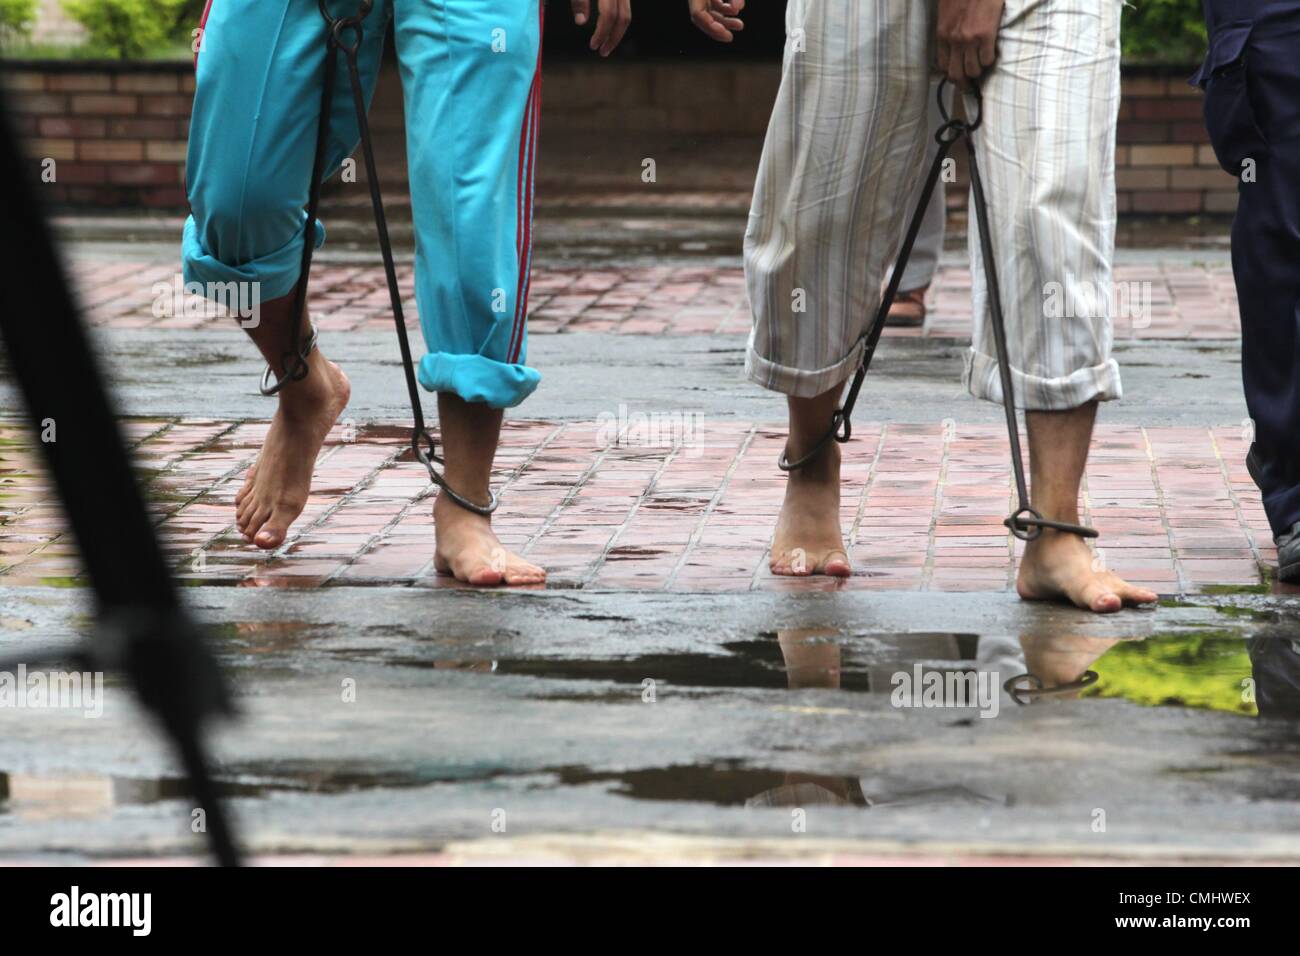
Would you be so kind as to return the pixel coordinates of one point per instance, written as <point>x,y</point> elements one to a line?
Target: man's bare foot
<point>808,539</point>
<point>1060,567</point>
<point>468,549</point>
<point>275,490</point>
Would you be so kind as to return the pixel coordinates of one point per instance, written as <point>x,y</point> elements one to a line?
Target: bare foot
<point>1060,659</point>
<point>275,490</point>
<point>468,549</point>
<point>808,539</point>
<point>1059,567</point>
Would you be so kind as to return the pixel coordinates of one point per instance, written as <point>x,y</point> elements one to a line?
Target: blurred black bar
<point>144,632</point>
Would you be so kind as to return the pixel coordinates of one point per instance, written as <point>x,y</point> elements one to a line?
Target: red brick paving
<point>922,509</point>
<point>1185,301</point>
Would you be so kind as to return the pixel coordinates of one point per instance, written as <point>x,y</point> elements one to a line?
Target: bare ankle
<point>304,398</point>
<point>821,470</point>
<point>445,509</point>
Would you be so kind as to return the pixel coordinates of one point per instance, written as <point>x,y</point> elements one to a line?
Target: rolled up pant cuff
<point>1097,383</point>
<point>797,382</point>
<point>478,379</point>
<point>275,275</point>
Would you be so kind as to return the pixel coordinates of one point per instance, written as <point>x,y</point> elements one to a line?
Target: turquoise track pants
<point>471,81</point>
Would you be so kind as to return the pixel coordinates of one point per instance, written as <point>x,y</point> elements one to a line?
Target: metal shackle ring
<point>1025,532</point>
<point>973,91</point>
<point>341,27</point>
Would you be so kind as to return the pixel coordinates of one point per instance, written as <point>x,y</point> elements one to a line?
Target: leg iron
<point>1026,523</point>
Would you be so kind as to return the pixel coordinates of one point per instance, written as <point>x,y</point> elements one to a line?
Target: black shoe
<point>1288,555</point>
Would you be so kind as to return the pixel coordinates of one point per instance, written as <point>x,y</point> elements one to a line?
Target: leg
<point>808,539</point>
<point>252,145</point>
<point>466,545</point>
<point>275,489</point>
<point>1252,109</point>
<point>812,660</point>
<point>471,77</point>
<point>1059,566</point>
<point>1053,224</point>
<point>1058,659</point>
<point>824,225</point>
<point>812,657</point>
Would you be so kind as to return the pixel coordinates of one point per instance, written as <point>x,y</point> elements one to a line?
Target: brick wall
<point>1164,160</point>
<point>1164,164</point>
<point>116,132</point>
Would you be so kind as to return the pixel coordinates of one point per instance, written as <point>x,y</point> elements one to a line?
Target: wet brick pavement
<point>689,508</point>
<point>1179,300</point>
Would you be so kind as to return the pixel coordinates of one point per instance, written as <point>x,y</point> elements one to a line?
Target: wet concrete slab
<point>386,720</point>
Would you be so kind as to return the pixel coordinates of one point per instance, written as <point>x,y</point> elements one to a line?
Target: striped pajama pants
<point>844,153</point>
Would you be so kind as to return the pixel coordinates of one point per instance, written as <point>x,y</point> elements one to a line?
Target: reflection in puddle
<point>35,797</point>
<point>1208,669</point>
<point>756,787</point>
<point>38,797</point>
<point>78,795</point>
<point>1211,670</point>
<point>1275,675</point>
<point>1214,670</point>
<point>763,663</point>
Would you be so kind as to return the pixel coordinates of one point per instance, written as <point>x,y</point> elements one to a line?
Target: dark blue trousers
<point>1251,79</point>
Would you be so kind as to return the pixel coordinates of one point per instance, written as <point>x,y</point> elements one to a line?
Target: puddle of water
<point>38,797</point>
<point>64,796</point>
<point>1212,669</point>
<point>731,785</point>
<point>760,663</point>
<point>268,637</point>
<point>79,795</point>
<point>1209,669</point>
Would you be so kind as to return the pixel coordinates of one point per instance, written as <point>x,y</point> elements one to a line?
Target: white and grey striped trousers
<point>844,153</point>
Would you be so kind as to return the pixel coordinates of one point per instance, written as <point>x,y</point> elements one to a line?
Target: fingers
<point>955,69</point>
<point>711,27</point>
<point>967,35</point>
<point>603,24</point>
<point>581,11</point>
<point>988,52</point>
<point>625,22</point>
<point>727,12</point>
<point>962,63</point>
<point>719,19</point>
<point>615,17</point>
